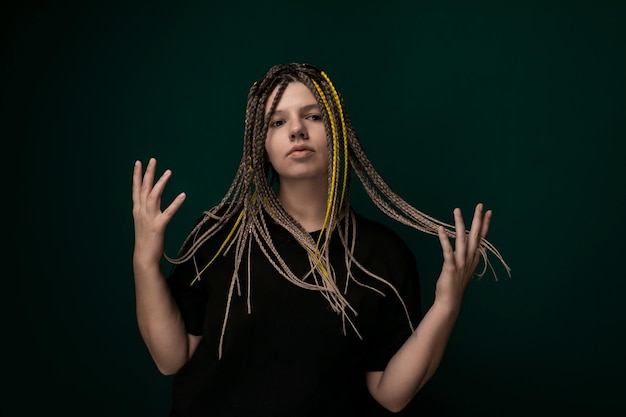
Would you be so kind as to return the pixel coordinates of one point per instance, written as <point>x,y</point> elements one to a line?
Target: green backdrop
<point>517,104</point>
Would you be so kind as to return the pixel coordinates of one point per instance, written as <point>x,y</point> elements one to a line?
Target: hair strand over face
<point>250,199</point>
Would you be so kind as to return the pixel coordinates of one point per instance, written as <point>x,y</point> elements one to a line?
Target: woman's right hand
<point>150,222</point>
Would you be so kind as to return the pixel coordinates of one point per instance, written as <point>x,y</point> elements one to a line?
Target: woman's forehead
<point>296,94</point>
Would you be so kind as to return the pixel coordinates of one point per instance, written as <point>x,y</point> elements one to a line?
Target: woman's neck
<point>305,201</point>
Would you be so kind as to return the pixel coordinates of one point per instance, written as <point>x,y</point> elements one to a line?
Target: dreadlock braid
<point>251,197</point>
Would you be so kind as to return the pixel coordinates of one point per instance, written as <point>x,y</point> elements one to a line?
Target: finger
<point>446,247</point>
<point>486,222</point>
<point>174,206</point>
<point>474,234</point>
<point>157,190</point>
<point>136,183</point>
<point>148,179</point>
<point>460,246</point>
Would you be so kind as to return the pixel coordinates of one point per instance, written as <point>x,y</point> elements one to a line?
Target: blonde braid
<point>251,197</point>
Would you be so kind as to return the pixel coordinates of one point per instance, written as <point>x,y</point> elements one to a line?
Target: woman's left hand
<point>460,262</point>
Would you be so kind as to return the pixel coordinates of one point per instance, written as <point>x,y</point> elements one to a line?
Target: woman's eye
<point>315,117</point>
<point>276,123</point>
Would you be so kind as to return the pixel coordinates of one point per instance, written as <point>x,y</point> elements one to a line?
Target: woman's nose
<point>298,131</point>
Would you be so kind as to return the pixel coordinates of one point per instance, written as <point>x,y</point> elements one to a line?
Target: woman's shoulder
<point>380,249</point>
<point>378,235</point>
<point>210,225</point>
<point>219,215</point>
<point>376,228</point>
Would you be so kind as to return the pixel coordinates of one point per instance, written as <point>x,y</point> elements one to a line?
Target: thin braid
<point>251,197</point>
<point>321,92</point>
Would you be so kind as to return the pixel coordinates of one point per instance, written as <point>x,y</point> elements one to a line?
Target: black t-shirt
<point>291,355</point>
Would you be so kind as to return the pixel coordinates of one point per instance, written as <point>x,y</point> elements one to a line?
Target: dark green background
<point>517,104</point>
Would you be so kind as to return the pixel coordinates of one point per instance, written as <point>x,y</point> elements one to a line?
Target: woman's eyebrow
<point>308,107</point>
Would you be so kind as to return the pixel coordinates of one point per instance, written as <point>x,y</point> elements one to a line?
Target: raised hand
<point>150,222</point>
<point>460,262</point>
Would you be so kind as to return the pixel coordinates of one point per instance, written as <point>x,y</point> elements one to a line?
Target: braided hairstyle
<point>251,198</point>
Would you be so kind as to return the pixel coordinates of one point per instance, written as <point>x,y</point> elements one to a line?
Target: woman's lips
<point>300,153</point>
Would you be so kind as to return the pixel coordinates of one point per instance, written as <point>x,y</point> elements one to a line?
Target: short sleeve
<point>190,296</point>
<point>399,312</point>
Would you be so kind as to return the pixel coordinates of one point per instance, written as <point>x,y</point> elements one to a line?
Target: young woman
<point>283,300</point>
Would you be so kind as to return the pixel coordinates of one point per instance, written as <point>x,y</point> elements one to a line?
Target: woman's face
<point>296,142</point>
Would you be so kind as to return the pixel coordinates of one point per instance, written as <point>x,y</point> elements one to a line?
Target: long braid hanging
<point>251,196</point>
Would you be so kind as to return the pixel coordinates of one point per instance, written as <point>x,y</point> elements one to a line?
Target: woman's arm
<point>419,357</point>
<point>159,319</point>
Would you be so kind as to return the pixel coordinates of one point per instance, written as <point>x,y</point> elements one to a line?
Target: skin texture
<point>297,148</point>
<point>158,317</point>
<point>417,360</point>
<point>296,139</point>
